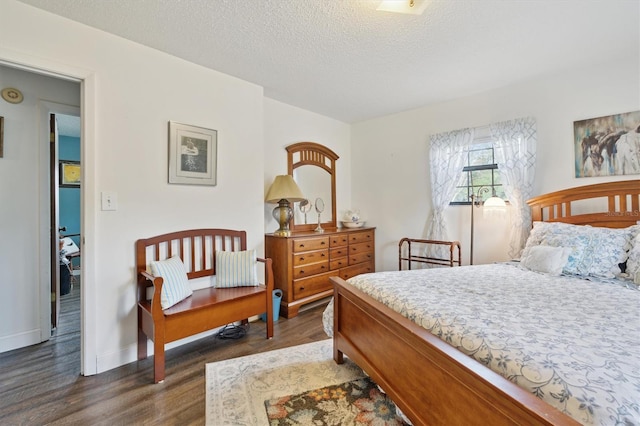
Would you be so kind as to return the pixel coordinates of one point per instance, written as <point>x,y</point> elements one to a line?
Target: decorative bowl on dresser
<point>304,261</point>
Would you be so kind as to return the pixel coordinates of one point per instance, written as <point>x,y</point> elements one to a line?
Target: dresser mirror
<point>313,167</point>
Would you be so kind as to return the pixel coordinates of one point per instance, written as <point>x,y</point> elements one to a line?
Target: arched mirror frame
<point>313,154</point>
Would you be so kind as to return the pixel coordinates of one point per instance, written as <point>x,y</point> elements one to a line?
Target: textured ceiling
<point>344,59</point>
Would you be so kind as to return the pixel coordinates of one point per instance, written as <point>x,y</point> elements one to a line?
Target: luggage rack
<point>408,247</point>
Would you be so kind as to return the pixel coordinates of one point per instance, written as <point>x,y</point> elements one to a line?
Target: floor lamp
<point>493,203</point>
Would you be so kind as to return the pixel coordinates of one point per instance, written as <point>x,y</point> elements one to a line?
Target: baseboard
<point>323,301</point>
<point>130,353</point>
<point>19,340</point>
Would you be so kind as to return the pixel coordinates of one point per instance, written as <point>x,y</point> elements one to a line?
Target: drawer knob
<point>302,271</point>
<point>301,288</point>
<point>302,258</point>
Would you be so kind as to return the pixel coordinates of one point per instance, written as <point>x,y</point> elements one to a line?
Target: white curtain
<point>515,154</point>
<point>448,155</point>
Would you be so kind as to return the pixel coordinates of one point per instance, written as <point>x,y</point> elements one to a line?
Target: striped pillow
<point>176,284</point>
<point>236,269</point>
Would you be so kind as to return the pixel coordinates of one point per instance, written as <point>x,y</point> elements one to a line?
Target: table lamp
<point>283,191</point>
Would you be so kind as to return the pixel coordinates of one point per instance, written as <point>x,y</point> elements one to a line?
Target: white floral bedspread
<point>572,342</point>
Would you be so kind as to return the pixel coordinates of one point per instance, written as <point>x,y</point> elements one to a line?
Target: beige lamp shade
<point>284,188</point>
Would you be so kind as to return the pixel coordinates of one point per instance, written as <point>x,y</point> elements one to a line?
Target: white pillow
<point>236,269</point>
<point>547,259</point>
<point>175,285</point>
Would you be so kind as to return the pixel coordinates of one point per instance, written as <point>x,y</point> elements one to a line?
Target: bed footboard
<point>431,382</point>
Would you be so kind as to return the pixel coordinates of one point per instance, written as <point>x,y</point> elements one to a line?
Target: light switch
<point>109,201</point>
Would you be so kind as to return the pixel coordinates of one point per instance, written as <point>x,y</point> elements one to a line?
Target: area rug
<point>358,402</point>
<point>236,389</point>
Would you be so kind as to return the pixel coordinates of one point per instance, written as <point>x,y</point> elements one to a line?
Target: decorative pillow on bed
<point>236,269</point>
<point>595,251</point>
<point>557,234</point>
<point>175,286</point>
<point>547,259</point>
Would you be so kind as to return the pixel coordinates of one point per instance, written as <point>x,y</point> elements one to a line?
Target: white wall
<point>131,93</point>
<point>20,205</point>
<point>390,177</point>
<point>285,125</point>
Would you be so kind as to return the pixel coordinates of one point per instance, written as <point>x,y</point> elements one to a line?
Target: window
<point>480,170</point>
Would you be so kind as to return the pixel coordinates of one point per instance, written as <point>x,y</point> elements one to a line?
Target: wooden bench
<point>207,308</point>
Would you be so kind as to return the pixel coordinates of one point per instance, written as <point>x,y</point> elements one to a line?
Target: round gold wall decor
<point>11,95</point>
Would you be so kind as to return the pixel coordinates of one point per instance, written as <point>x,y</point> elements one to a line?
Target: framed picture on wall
<point>607,146</point>
<point>70,174</point>
<point>192,154</point>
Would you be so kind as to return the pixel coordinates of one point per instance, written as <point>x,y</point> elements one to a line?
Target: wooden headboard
<point>617,205</point>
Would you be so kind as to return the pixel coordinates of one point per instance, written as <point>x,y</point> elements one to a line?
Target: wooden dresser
<point>304,261</point>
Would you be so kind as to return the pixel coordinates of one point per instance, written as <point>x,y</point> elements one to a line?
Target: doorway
<point>27,260</point>
<point>66,208</point>
<point>27,184</point>
<point>50,306</point>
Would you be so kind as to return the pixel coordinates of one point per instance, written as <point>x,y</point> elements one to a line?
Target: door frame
<point>87,80</point>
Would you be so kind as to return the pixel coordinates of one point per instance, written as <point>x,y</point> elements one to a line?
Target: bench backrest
<point>196,247</point>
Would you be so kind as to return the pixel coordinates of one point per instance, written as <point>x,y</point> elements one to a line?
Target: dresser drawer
<point>306,244</point>
<point>310,257</point>
<point>352,271</point>
<point>338,263</point>
<point>336,253</point>
<point>338,240</point>
<point>310,286</point>
<point>360,257</point>
<point>311,269</point>
<point>361,237</point>
<point>360,248</point>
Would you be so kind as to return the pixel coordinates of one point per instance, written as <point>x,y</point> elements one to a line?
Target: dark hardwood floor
<point>41,384</point>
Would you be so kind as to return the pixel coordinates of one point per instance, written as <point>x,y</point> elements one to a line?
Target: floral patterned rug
<point>358,402</point>
<point>237,388</point>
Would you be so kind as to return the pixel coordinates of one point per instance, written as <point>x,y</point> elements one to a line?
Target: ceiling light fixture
<point>412,7</point>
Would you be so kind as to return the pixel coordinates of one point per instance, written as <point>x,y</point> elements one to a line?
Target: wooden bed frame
<point>432,382</point>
